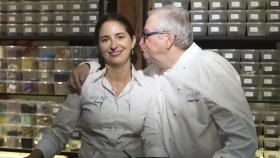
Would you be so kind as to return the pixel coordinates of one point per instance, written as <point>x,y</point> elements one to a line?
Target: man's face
<point>151,42</point>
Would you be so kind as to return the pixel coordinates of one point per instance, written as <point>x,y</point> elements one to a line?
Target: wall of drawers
<point>259,71</point>
<point>48,17</point>
<point>231,17</point>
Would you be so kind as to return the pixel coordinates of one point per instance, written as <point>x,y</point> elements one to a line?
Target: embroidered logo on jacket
<point>192,96</point>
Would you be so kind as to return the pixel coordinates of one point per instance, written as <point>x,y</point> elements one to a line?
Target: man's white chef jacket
<point>203,109</point>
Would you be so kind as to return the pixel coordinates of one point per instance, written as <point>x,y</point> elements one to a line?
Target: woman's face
<point>115,44</point>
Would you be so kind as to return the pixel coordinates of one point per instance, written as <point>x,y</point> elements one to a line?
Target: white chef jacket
<point>110,124</point>
<point>203,109</point>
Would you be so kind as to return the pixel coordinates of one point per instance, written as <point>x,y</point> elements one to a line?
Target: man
<point>203,110</point>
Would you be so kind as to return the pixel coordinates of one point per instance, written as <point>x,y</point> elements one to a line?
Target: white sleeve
<point>231,112</point>
<point>54,141</point>
<point>94,65</point>
<point>238,135</point>
<point>152,134</point>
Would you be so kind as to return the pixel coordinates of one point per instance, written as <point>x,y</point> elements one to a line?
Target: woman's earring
<point>132,52</point>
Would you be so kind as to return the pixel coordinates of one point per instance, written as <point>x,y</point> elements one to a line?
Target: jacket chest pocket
<point>91,115</point>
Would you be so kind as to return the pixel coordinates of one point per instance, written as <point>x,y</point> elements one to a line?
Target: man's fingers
<point>71,85</point>
<point>83,77</point>
<point>77,82</point>
<point>77,77</point>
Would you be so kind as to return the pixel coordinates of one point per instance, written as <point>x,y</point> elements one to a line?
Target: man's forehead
<point>149,23</point>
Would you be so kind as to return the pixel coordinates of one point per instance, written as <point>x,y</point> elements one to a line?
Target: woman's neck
<point>118,77</point>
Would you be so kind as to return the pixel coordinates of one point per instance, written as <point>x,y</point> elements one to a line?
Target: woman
<point>114,108</point>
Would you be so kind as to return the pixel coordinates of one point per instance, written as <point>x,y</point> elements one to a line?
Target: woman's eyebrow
<point>117,34</point>
<point>120,33</point>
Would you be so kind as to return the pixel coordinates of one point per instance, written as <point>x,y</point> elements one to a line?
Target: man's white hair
<point>175,20</point>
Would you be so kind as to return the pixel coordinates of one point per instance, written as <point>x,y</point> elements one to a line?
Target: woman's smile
<point>115,53</point>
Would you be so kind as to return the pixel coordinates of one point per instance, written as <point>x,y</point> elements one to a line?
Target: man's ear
<point>170,40</point>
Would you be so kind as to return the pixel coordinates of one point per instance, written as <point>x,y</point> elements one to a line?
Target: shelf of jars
<point>24,122</point>
<point>72,40</point>
<point>51,37</point>
<point>4,153</point>
<point>40,70</point>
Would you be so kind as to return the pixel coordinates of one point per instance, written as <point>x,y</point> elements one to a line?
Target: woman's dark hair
<point>118,18</point>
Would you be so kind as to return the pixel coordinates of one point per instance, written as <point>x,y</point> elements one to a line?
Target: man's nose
<point>141,42</point>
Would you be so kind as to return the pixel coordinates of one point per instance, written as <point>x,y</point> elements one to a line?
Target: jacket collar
<point>186,56</point>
